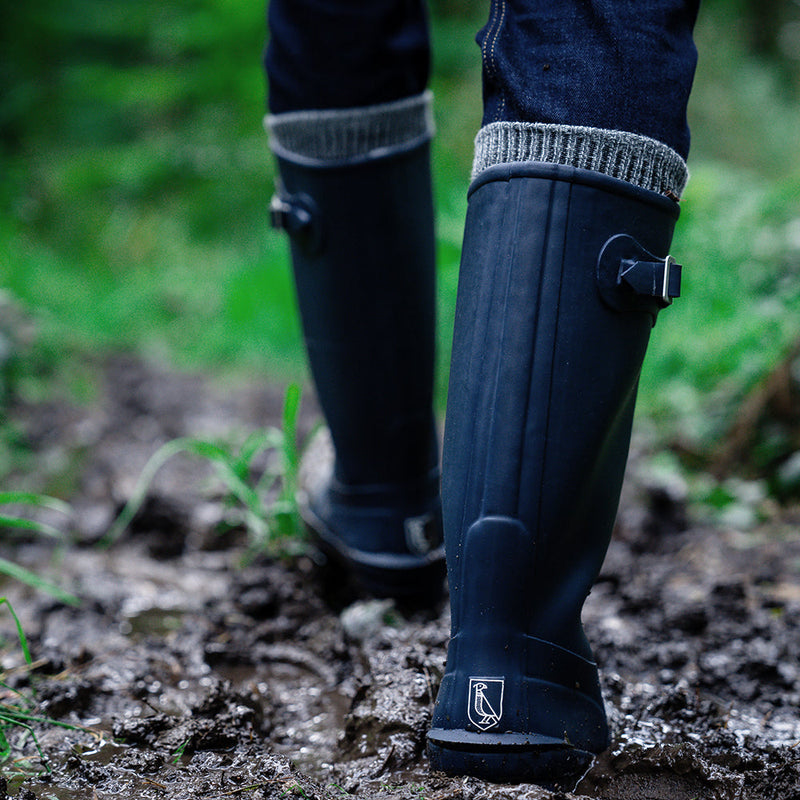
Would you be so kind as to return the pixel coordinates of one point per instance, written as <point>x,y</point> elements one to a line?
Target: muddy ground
<point>184,674</point>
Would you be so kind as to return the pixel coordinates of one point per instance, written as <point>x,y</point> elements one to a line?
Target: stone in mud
<point>58,697</point>
<point>140,730</point>
<point>365,619</point>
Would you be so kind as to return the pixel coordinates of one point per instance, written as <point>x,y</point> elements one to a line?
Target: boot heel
<point>511,705</point>
<point>556,768</point>
<point>386,549</point>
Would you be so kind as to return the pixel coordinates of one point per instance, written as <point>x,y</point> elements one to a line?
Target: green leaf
<point>18,522</point>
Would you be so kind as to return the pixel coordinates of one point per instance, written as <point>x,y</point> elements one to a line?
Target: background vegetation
<point>135,175</point>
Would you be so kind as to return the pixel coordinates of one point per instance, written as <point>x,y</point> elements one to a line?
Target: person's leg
<point>350,126</point>
<point>624,65</point>
<point>328,54</point>
<point>564,268</point>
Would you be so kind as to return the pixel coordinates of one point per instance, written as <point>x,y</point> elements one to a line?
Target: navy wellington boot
<point>362,245</point>
<point>563,273</point>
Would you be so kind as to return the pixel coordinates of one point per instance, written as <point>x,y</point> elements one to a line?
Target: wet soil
<point>184,674</point>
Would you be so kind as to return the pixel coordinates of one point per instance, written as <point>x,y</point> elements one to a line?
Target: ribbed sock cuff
<point>639,160</point>
<point>343,136</point>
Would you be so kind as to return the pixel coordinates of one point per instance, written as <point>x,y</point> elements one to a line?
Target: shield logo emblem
<point>485,702</point>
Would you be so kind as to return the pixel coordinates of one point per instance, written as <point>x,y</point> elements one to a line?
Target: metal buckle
<point>292,214</point>
<point>669,262</point>
<point>279,209</point>
<point>630,278</point>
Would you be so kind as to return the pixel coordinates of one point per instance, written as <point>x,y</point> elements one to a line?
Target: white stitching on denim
<point>497,32</point>
<point>496,20</point>
<point>487,63</point>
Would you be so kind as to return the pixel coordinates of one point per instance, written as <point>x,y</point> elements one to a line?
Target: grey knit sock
<point>639,160</point>
<point>343,136</point>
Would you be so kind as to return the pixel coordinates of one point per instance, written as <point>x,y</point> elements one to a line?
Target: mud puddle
<point>185,675</point>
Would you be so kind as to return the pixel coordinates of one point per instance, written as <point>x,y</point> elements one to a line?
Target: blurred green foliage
<point>135,176</point>
<point>135,181</point>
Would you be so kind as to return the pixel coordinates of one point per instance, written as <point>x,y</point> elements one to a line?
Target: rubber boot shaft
<point>362,244</point>
<point>546,360</point>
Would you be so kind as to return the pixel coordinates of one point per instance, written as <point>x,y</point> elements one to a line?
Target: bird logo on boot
<point>485,703</point>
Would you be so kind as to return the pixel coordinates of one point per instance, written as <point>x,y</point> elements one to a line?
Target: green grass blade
<point>234,470</point>
<point>33,499</point>
<point>22,524</point>
<point>156,461</point>
<point>291,408</point>
<point>18,722</point>
<point>222,459</point>
<point>23,640</point>
<point>255,444</point>
<point>291,467</point>
<point>244,493</point>
<point>26,576</point>
<point>16,522</point>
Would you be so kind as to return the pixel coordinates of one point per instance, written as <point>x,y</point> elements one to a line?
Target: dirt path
<point>188,676</point>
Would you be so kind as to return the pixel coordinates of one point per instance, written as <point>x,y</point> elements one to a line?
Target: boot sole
<point>557,767</point>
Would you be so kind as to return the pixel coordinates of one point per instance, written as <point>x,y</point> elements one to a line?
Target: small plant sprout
<point>295,789</point>
<point>16,523</point>
<point>268,503</point>
<point>179,751</point>
<point>17,709</point>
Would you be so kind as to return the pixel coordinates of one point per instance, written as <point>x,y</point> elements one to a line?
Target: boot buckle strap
<point>297,215</point>
<point>288,214</point>
<point>658,279</point>
<point>278,212</point>
<point>631,278</point>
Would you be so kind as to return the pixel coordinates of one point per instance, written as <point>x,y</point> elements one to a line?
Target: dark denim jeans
<point>326,54</point>
<point>619,64</point>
